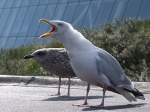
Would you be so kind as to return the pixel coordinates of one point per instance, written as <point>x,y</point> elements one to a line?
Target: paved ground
<point>38,98</point>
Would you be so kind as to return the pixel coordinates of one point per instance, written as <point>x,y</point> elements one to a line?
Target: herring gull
<point>92,64</point>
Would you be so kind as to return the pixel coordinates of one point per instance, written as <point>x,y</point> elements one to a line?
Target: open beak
<point>50,33</point>
<point>28,56</point>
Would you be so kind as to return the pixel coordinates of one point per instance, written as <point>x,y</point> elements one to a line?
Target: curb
<point>44,80</point>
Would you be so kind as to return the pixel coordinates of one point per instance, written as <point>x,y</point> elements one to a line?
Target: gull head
<point>45,54</point>
<point>57,27</point>
<point>40,55</point>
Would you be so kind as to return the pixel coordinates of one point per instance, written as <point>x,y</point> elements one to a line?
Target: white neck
<point>74,40</point>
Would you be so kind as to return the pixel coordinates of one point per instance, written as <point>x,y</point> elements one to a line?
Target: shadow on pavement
<point>71,98</point>
<point>115,107</point>
<point>146,92</point>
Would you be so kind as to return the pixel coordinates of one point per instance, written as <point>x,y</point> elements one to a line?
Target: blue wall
<point>19,18</point>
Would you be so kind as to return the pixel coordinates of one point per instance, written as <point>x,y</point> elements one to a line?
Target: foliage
<point>12,62</point>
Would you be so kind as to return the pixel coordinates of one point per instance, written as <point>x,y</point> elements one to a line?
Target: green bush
<point>12,62</point>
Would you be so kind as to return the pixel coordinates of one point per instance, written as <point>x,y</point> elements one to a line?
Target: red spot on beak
<point>53,28</point>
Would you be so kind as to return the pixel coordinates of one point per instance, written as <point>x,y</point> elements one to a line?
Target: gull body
<point>56,62</point>
<point>93,64</point>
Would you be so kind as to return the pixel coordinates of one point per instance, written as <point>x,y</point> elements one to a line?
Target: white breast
<point>84,66</point>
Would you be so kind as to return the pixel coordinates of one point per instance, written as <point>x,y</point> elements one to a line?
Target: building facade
<point>19,18</point>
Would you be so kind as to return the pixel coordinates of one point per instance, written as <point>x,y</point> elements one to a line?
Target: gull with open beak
<point>92,64</point>
<point>47,34</point>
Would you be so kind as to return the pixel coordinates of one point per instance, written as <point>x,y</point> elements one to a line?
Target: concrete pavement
<point>17,97</point>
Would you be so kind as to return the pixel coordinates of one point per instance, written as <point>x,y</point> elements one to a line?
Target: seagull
<point>92,64</point>
<point>56,61</point>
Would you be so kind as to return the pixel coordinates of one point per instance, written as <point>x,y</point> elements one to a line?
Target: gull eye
<point>41,53</point>
<point>60,24</point>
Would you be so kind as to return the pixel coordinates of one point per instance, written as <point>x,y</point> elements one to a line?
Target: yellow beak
<point>47,34</point>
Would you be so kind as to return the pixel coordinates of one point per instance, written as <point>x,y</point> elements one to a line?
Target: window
<point>10,42</point>
<point>133,8</point>
<point>35,20</point>
<point>59,11</point>
<point>17,3</point>
<point>113,10</point>
<point>3,19</point>
<point>69,12</point>
<point>87,18</point>
<point>18,22</point>
<point>121,8</point>
<point>81,9</point>
<point>9,3</point>
<point>27,20</point>
<point>20,41</point>
<point>29,2</point>
<point>145,8</point>
<point>48,1</point>
<point>2,3</point>
<point>30,40</point>
<point>10,22</point>
<point>104,12</point>
<point>3,42</point>
<point>71,1</point>
<point>63,1</point>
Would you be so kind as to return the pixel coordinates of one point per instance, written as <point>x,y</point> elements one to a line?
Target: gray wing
<point>111,68</point>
